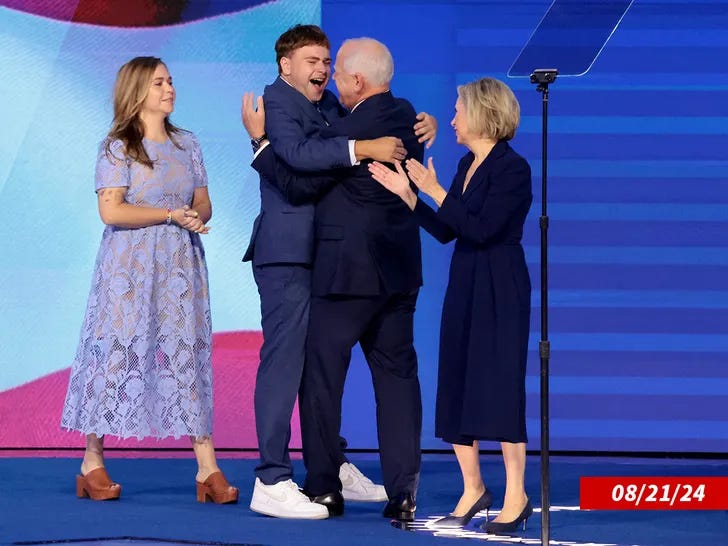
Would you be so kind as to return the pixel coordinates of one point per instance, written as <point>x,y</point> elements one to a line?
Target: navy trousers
<point>285,296</point>
<point>383,326</point>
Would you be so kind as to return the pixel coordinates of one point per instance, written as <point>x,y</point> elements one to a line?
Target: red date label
<point>653,493</point>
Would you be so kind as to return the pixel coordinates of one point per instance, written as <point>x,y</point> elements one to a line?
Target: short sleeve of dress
<point>198,165</point>
<point>112,168</point>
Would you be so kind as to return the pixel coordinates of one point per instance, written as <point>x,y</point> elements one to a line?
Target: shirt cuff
<point>262,147</point>
<point>352,154</point>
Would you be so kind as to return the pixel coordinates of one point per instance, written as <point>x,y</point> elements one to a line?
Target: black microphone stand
<point>543,77</point>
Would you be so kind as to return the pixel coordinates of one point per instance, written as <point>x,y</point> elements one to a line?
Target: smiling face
<point>160,96</point>
<point>308,69</point>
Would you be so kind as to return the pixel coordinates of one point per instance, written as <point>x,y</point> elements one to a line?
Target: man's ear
<point>358,81</point>
<point>285,65</point>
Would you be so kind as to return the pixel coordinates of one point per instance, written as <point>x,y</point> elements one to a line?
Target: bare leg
<point>469,460</point>
<point>514,459</point>
<point>205,455</point>
<point>217,488</point>
<point>94,481</point>
<point>93,457</point>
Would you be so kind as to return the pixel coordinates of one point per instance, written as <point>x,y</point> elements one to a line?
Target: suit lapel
<point>482,173</point>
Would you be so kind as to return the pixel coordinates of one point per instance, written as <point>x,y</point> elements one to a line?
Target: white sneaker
<point>284,500</point>
<point>357,487</point>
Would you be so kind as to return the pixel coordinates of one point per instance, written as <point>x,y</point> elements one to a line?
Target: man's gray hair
<point>371,59</point>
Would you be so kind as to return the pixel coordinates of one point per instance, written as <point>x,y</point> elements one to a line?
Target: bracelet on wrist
<point>169,216</point>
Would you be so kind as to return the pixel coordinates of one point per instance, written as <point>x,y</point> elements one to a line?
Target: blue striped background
<point>638,202</point>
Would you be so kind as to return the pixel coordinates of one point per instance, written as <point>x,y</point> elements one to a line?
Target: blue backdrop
<point>638,202</point>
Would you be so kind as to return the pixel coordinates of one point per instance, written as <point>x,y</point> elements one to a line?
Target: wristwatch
<point>257,142</point>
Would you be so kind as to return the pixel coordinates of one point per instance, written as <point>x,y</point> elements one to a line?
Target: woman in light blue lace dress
<point>143,364</point>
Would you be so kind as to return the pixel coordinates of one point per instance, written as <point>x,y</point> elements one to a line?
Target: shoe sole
<point>270,513</point>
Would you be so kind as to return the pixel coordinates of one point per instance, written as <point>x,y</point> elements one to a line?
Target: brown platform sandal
<point>216,489</point>
<point>97,485</point>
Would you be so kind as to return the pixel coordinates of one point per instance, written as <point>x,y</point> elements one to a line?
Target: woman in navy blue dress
<point>485,317</point>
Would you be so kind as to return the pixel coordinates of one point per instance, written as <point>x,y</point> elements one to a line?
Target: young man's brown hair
<point>297,37</point>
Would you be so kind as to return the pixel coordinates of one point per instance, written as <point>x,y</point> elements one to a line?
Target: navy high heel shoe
<point>454,522</point>
<point>497,528</point>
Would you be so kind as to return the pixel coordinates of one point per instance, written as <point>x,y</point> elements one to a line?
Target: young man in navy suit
<point>281,249</point>
<point>366,277</point>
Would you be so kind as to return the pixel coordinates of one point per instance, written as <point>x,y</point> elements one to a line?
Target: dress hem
<point>135,436</point>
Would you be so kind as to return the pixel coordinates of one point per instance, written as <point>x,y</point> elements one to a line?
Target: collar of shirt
<point>362,100</point>
<point>357,104</point>
<point>285,80</point>
<point>292,87</point>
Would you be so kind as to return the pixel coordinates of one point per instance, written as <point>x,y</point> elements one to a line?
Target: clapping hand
<point>396,182</point>
<point>424,178</point>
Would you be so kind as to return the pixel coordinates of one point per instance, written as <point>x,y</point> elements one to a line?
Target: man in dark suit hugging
<point>298,107</point>
<point>365,280</point>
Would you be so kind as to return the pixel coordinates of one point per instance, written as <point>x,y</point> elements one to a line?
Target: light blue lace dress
<point>143,364</point>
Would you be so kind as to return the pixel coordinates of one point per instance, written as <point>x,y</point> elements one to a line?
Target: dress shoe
<point>333,501</point>
<point>402,507</point>
<point>454,522</point>
<point>284,500</point>
<point>97,485</point>
<point>497,528</point>
<point>216,489</point>
<point>355,486</point>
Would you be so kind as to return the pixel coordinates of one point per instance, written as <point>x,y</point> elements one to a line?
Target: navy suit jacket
<point>282,232</point>
<point>367,240</point>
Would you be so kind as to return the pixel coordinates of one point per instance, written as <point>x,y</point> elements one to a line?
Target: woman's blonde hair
<point>491,108</point>
<point>130,92</point>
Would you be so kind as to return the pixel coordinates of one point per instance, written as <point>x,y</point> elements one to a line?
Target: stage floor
<point>38,505</point>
